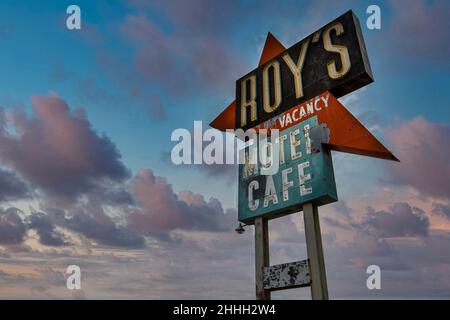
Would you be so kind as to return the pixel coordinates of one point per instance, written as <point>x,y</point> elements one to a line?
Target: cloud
<point>163,210</point>
<point>195,54</point>
<point>45,228</point>
<point>441,210</point>
<point>421,28</point>
<point>187,269</point>
<point>12,187</point>
<point>91,221</point>
<point>148,208</point>
<point>12,229</point>
<point>154,52</point>
<point>365,245</point>
<point>112,194</point>
<point>84,184</point>
<point>336,223</point>
<point>424,151</point>
<point>400,221</point>
<point>197,14</point>
<point>122,218</point>
<point>58,152</point>
<point>373,235</point>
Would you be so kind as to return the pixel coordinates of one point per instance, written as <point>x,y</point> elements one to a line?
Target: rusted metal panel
<point>287,275</point>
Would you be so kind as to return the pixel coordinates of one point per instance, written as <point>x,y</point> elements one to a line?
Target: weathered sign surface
<point>295,90</point>
<point>331,59</point>
<point>345,132</point>
<point>307,133</point>
<point>305,174</point>
<point>287,275</point>
<point>335,60</point>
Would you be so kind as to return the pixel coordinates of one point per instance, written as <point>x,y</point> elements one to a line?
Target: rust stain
<point>287,275</point>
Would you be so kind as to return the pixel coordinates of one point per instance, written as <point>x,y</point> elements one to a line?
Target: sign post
<point>319,288</point>
<point>294,90</point>
<point>261,257</point>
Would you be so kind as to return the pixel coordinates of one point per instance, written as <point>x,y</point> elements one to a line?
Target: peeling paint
<point>287,275</point>
<point>319,134</point>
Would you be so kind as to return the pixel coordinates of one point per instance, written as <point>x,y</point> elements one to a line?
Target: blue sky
<point>36,36</point>
<point>141,69</point>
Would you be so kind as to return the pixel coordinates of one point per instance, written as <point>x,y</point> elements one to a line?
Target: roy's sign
<point>333,58</point>
<point>295,90</point>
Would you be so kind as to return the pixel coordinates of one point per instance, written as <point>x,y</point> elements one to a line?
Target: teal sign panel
<point>305,174</point>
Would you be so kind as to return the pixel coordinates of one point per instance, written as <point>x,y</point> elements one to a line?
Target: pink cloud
<point>57,151</point>
<point>421,28</point>
<point>163,210</point>
<point>424,151</point>
<point>195,53</point>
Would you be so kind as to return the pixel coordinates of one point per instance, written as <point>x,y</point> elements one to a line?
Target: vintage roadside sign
<point>307,133</point>
<point>333,58</point>
<point>305,174</point>
<point>293,89</point>
<point>296,91</point>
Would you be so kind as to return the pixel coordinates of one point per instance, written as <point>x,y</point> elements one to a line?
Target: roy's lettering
<point>333,58</point>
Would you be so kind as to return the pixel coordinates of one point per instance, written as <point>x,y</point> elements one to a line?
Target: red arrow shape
<point>347,134</point>
<point>226,119</point>
<point>272,48</point>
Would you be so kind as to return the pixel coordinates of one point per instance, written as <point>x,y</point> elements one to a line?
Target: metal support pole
<point>261,256</point>
<point>319,289</point>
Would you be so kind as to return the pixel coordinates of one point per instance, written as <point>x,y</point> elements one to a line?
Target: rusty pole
<point>261,256</point>
<point>319,288</point>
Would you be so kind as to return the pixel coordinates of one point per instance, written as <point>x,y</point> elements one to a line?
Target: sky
<point>86,178</point>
